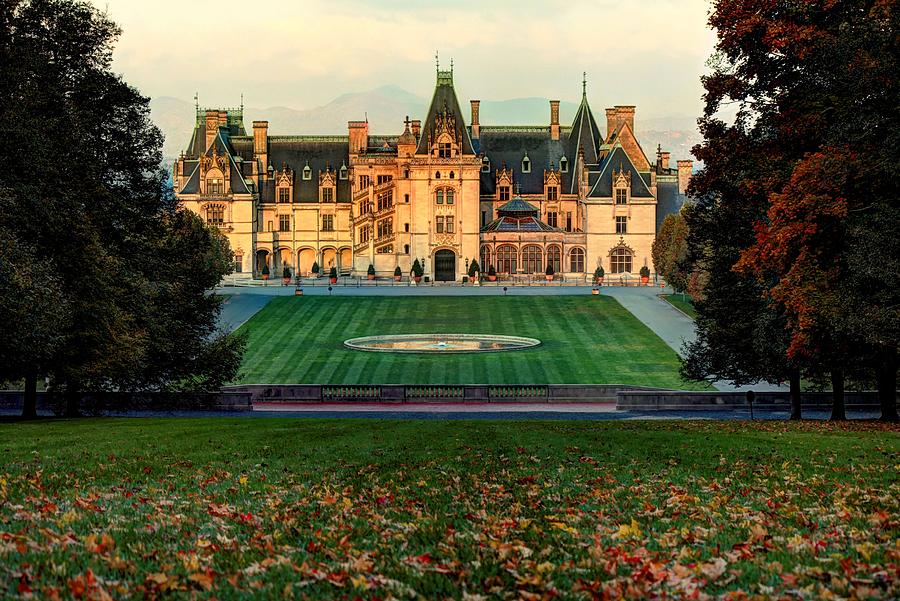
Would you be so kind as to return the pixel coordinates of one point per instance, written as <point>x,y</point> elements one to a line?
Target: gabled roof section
<point>444,102</point>
<point>585,134</point>
<point>616,161</point>
<point>509,145</point>
<point>192,186</point>
<point>624,137</point>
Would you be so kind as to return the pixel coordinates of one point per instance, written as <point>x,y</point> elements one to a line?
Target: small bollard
<point>298,291</point>
<point>504,291</point>
<point>751,396</point>
<point>329,291</point>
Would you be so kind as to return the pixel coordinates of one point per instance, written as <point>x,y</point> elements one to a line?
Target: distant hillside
<point>387,106</point>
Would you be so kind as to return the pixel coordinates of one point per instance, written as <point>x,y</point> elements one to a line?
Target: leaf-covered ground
<point>346,509</point>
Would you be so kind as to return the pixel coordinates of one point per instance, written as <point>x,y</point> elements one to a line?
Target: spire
<point>584,84</point>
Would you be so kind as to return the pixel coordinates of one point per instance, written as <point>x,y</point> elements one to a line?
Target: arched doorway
<point>445,266</point>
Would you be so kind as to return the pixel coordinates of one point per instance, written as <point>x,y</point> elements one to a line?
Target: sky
<point>304,53</point>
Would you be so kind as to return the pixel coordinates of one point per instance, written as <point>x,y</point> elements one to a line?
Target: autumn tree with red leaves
<point>810,187</point>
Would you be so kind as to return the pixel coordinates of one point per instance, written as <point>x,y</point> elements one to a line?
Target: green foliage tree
<point>417,269</point>
<point>669,251</point>
<point>131,306</point>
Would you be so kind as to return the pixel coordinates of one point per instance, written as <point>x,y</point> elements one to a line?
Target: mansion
<point>518,198</point>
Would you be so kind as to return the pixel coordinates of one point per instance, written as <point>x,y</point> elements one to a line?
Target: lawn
<point>685,305</point>
<point>586,340</point>
<point>350,509</point>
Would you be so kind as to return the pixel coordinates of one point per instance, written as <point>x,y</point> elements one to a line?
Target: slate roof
<point>518,215</point>
<point>517,207</point>
<point>601,181</point>
<point>509,145</point>
<point>669,200</point>
<point>444,99</point>
<point>585,134</point>
<point>221,145</point>
<point>319,152</point>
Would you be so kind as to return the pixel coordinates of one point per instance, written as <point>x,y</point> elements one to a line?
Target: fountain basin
<point>440,343</point>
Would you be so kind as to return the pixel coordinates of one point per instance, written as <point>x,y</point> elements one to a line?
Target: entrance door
<point>444,266</point>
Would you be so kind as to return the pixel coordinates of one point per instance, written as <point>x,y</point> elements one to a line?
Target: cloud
<point>303,54</point>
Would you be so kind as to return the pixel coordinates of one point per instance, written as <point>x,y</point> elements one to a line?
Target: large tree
<point>83,190</point>
<point>815,84</point>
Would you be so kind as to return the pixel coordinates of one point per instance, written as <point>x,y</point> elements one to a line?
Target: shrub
<point>492,271</point>
<point>286,272</point>
<point>315,268</point>
<point>371,269</point>
<point>333,272</point>
<point>473,268</point>
<point>417,269</point>
<point>265,269</point>
<point>599,273</point>
<point>397,271</point>
<point>645,272</point>
<point>549,270</point>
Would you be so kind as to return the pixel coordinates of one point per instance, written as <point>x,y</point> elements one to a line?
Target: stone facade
<point>435,193</point>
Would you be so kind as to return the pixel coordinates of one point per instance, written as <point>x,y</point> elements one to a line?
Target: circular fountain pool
<point>440,343</point>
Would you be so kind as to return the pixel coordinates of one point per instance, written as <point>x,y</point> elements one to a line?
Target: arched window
<point>576,260</point>
<point>452,175</point>
<point>564,165</point>
<point>554,258</point>
<point>485,165</point>
<point>506,259</point>
<point>215,184</point>
<point>437,175</point>
<point>620,260</point>
<point>533,259</point>
<point>485,258</point>
<point>439,197</point>
<point>526,164</point>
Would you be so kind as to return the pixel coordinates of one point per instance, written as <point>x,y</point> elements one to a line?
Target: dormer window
<point>504,193</point>
<point>444,150</point>
<point>284,195</point>
<point>621,196</point>
<point>526,164</point>
<point>564,165</point>
<point>552,193</point>
<point>307,172</point>
<point>485,165</point>
<point>328,194</point>
<point>215,186</point>
<point>343,172</point>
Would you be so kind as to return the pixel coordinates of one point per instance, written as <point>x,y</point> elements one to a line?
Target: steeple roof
<point>444,104</point>
<point>585,132</point>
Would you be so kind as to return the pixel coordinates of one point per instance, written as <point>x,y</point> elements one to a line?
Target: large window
<point>284,195</point>
<point>485,258</point>
<point>215,214</point>
<point>439,224</point>
<point>621,224</point>
<point>215,187</point>
<point>439,197</point>
<point>449,197</point>
<point>449,224</point>
<point>620,260</point>
<point>552,218</point>
<point>532,259</point>
<point>621,196</point>
<point>576,260</point>
<point>327,223</point>
<point>554,258</point>
<point>363,181</point>
<point>364,233</point>
<point>385,200</point>
<point>383,179</point>
<point>385,227</point>
<point>506,259</point>
<point>284,223</point>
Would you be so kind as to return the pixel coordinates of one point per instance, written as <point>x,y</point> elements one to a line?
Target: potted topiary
<point>417,271</point>
<point>549,272</point>
<point>398,275</point>
<point>473,271</point>
<point>645,275</point>
<point>371,271</point>
<point>598,275</point>
<point>315,269</point>
<point>286,275</point>
<point>332,275</point>
<point>265,272</point>
<point>492,274</point>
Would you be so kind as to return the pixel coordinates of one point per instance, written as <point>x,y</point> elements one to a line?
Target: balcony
<point>360,194</point>
<point>385,239</point>
<point>360,247</point>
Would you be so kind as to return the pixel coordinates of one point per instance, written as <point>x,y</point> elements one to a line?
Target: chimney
<point>476,126</point>
<point>261,142</point>
<point>554,119</point>
<point>625,114</point>
<point>664,159</point>
<point>612,122</point>
<point>359,136</point>
<point>223,118</point>
<point>416,128</point>
<point>212,127</point>
<point>685,169</point>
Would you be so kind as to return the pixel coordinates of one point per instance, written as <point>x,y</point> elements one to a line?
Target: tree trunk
<point>796,402</point>
<point>886,372</point>
<point>73,400</point>
<point>29,405</point>
<point>838,411</point>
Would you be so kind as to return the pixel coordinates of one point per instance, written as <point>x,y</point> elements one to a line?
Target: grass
<point>685,305</point>
<point>586,340</point>
<point>345,509</point>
